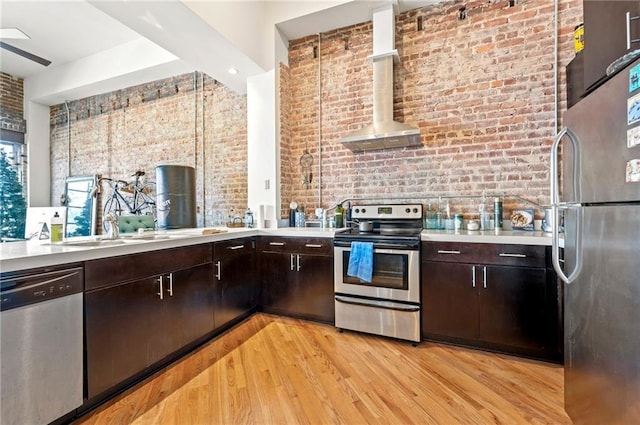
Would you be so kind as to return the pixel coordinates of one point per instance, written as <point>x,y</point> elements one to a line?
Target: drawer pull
<point>445,251</point>
<point>506,254</point>
<point>236,247</point>
<point>484,277</point>
<point>473,276</point>
<point>313,245</point>
<point>276,243</point>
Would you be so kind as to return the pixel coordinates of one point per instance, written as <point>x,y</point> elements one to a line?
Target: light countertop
<point>488,236</point>
<point>31,254</point>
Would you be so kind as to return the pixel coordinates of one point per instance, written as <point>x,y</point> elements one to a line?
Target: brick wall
<point>480,89</point>
<point>186,120</point>
<point>11,103</point>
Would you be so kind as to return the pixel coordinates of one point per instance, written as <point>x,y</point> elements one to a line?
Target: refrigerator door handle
<point>554,178</point>
<point>555,244</point>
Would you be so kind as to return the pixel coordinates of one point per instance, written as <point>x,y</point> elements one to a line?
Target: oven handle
<point>382,245</point>
<point>371,303</point>
<point>382,251</point>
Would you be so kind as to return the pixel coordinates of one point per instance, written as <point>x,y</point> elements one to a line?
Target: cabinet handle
<point>473,276</point>
<point>170,284</point>
<point>218,269</point>
<point>236,247</point>
<point>445,251</point>
<point>313,245</point>
<point>484,277</point>
<point>291,255</point>
<point>298,262</point>
<point>160,279</point>
<point>506,254</point>
<point>276,243</point>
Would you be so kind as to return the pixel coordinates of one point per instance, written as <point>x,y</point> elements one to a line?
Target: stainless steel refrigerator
<point>600,202</point>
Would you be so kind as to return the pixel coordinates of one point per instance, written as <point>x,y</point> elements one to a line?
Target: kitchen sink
<point>149,237</point>
<point>93,243</point>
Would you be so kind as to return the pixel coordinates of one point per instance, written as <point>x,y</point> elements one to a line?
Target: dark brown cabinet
<point>235,280</point>
<point>142,308</point>
<point>297,277</point>
<point>501,297</point>
<point>605,35</point>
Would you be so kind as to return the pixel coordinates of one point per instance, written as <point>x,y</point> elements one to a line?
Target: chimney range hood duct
<point>384,132</point>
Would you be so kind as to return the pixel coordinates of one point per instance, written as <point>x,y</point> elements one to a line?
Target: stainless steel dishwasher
<point>40,344</point>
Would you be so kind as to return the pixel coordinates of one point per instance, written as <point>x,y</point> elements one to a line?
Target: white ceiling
<point>60,32</point>
<point>66,32</point>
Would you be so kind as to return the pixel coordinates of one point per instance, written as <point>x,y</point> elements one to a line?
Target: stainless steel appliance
<point>41,345</point>
<point>600,202</point>
<point>389,305</point>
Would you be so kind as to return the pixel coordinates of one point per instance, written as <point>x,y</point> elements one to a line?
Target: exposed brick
<point>480,89</point>
<point>163,122</point>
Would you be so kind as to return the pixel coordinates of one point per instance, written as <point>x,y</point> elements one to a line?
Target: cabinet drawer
<point>110,271</point>
<point>315,246</point>
<point>480,253</point>
<point>276,244</point>
<point>235,246</point>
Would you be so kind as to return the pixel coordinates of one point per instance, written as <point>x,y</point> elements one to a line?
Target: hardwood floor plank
<point>276,370</point>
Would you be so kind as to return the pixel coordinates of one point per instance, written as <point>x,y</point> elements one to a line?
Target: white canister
<point>259,218</point>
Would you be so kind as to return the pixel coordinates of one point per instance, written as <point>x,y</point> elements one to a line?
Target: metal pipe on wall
<point>195,125</point>
<point>319,123</point>
<point>66,104</point>
<point>555,64</point>
<point>195,119</point>
<point>204,184</point>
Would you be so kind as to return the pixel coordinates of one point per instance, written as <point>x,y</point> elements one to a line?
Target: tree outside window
<point>13,206</point>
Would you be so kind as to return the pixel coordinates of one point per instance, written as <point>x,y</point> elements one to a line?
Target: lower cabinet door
<point>312,288</point>
<point>275,269</point>
<point>449,300</point>
<point>236,286</point>
<point>123,334</point>
<point>514,308</point>
<point>189,305</point>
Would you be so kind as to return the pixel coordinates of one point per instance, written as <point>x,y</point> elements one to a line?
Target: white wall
<point>263,162</point>
<point>38,155</point>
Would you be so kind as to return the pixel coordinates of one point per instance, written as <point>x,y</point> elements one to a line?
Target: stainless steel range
<point>386,300</point>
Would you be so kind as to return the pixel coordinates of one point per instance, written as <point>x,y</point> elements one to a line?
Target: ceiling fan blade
<point>24,54</point>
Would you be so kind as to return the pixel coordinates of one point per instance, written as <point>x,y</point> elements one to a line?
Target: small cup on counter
<point>458,221</point>
<point>485,220</point>
<point>473,225</point>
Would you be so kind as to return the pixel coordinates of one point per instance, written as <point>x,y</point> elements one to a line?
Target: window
<point>13,207</point>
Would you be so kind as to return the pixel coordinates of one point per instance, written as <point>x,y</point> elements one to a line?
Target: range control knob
<point>415,210</point>
<point>357,210</point>
<point>364,210</point>
<point>407,210</point>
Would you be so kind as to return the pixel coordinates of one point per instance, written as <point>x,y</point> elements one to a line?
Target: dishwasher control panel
<point>24,288</point>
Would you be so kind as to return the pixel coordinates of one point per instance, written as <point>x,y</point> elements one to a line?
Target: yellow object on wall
<point>578,38</point>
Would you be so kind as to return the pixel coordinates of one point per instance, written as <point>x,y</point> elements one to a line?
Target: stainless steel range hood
<point>384,132</point>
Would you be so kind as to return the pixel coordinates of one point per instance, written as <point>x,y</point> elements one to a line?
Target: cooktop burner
<point>397,222</point>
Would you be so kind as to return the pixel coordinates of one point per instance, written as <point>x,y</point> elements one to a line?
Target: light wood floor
<point>274,370</point>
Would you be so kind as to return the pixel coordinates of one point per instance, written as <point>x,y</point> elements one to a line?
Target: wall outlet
<point>267,184</point>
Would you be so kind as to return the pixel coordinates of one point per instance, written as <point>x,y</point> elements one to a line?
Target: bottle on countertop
<point>293,207</point>
<point>248,218</point>
<point>56,227</point>
<point>347,214</point>
<point>431,220</point>
<point>339,215</point>
<point>497,212</point>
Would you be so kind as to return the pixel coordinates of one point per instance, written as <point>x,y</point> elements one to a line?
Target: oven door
<point>396,275</point>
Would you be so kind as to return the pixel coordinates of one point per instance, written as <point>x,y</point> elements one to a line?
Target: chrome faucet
<point>110,222</point>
